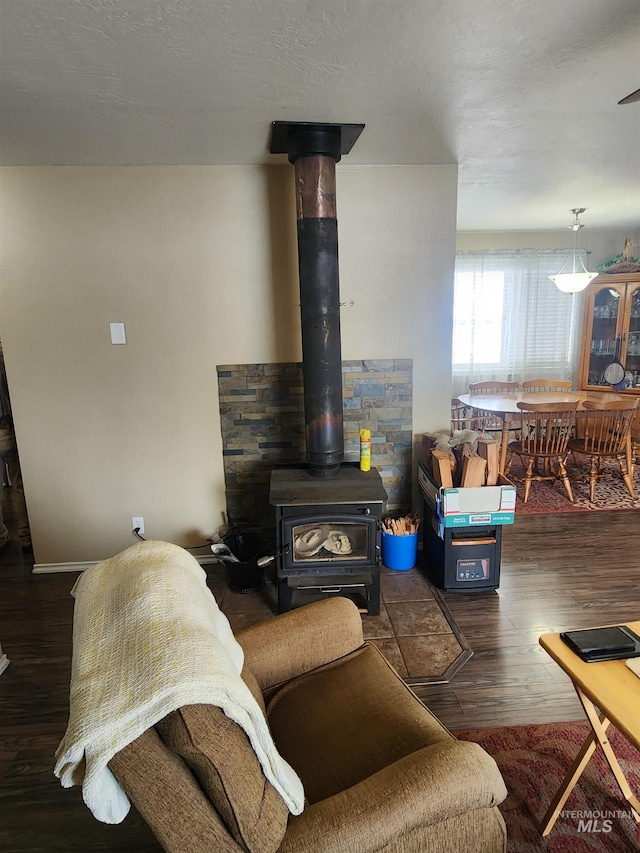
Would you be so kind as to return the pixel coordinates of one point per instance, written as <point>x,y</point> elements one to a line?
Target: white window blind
<point>510,322</point>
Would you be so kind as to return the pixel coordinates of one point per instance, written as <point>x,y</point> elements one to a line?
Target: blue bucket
<point>399,552</point>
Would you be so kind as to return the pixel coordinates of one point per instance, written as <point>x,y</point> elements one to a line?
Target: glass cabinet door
<point>632,360</point>
<point>604,329</point>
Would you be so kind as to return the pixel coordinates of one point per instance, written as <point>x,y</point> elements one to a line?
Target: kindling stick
<point>404,526</point>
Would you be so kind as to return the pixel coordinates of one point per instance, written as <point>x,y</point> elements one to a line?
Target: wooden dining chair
<point>547,385</point>
<point>464,417</point>
<point>536,385</point>
<point>605,433</point>
<point>461,415</point>
<point>635,438</point>
<point>493,386</point>
<point>489,422</point>
<point>544,437</point>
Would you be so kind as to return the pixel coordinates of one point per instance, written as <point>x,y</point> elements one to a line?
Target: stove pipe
<point>314,150</point>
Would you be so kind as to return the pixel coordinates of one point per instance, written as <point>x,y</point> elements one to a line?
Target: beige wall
<point>200,264</point>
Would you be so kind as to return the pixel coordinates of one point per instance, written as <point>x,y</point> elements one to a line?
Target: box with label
<point>466,507</point>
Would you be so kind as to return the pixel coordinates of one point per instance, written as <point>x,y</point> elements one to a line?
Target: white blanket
<point>148,638</point>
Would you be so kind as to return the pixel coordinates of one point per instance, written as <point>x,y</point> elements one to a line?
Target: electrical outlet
<point>137,522</point>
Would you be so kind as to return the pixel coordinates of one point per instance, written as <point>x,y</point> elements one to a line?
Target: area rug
<point>547,497</point>
<point>415,629</point>
<point>533,761</point>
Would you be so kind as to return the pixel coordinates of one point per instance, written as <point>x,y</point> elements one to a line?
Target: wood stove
<point>328,514</point>
<point>328,534</point>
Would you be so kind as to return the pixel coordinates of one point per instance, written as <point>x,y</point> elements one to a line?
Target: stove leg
<point>373,595</point>
<point>285,597</point>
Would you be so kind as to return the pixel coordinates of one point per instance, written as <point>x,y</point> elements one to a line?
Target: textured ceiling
<point>521,95</point>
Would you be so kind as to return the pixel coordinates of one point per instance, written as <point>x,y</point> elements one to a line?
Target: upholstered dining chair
<point>547,385</point>
<point>545,434</point>
<point>604,428</point>
<point>489,422</point>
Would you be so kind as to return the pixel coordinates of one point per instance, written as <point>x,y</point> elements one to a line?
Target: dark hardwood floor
<point>558,572</point>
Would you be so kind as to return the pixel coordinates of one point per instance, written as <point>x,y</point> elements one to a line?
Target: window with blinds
<point>510,321</point>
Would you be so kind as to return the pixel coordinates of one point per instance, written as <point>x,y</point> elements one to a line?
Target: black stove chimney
<point>314,149</point>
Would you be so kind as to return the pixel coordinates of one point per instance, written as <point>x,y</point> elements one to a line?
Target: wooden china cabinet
<point>611,328</point>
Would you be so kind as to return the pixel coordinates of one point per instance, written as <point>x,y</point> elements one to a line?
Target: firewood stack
<point>465,460</point>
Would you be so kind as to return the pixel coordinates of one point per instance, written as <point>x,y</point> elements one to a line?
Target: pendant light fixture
<point>577,277</point>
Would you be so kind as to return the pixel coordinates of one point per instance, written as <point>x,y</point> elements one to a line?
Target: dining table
<point>505,406</point>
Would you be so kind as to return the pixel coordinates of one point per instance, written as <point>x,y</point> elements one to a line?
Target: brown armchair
<point>379,771</point>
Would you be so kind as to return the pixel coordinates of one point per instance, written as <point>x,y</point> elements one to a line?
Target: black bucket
<point>246,576</point>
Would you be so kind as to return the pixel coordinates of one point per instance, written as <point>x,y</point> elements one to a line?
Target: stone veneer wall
<point>262,417</point>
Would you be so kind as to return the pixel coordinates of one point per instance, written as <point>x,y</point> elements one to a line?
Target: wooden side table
<point>614,689</point>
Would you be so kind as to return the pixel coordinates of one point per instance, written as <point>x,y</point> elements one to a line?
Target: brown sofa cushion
<point>300,640</point>
<point>348,720</point>
<point>220,756</point>
<point>169,799</point>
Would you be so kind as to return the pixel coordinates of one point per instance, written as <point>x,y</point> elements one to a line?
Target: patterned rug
<point>547,497</point>
<point>533,761</point>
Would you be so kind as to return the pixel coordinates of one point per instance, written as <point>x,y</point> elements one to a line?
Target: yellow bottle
<point>365,449</point>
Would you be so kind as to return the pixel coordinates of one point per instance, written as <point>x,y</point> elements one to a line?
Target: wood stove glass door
<point>326,541</point>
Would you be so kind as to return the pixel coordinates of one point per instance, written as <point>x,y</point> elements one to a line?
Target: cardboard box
<point>458,507</point>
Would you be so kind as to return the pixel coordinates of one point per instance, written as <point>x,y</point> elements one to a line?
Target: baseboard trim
<point>54,568</point>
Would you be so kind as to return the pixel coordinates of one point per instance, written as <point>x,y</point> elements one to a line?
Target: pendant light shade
<point>574,276</point>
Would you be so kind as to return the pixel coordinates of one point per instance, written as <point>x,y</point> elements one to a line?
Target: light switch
<point>117,333</point>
